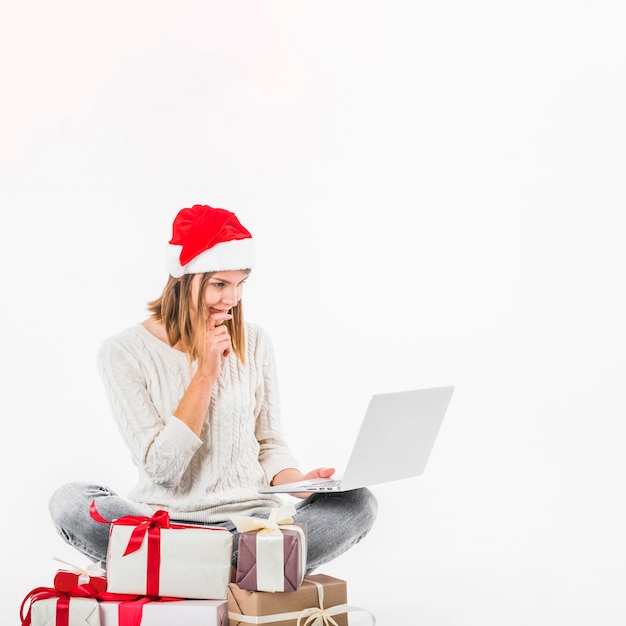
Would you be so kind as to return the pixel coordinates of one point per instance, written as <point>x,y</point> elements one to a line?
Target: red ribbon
<point>63,601</point>
<point>143,525</point>
<point>130,612</point>
<point>152,527</point>
<point>130,609</point>
<point>63,611</point>
<point>66,581</point>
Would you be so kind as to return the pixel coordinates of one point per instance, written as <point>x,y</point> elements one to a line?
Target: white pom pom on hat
<point>207,239</point>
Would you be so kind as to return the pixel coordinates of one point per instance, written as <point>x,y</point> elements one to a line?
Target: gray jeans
<point>335,521</point>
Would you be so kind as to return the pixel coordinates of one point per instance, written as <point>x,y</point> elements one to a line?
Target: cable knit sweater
<point>241,446</point>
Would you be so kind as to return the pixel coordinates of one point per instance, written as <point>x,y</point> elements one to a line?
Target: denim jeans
<point>335,521</point>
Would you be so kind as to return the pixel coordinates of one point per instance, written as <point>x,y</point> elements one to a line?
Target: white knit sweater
<point>241,446</point>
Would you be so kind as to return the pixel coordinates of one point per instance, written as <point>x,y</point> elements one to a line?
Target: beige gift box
<point>283,609</point>
<point>320,600</point>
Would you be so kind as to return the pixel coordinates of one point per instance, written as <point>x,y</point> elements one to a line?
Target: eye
<point>218,285</point>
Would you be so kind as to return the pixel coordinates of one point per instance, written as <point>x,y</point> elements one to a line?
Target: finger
<point>326,472</point>
<point>222,342</point>
<point>320,472</point>
<point>219,341</point>
<point>217,319</point>
<point>219,331</point>
<point>219,334</point>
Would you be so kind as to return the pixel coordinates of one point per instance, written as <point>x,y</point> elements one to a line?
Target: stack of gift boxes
<point>163,574</point>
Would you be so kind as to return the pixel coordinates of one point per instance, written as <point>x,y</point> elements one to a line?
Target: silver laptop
<point>394,442</point>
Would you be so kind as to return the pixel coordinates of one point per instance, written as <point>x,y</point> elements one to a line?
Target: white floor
<point>404,573</point>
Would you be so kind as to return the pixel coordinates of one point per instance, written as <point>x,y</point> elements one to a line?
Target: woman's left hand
<point>292,475</point>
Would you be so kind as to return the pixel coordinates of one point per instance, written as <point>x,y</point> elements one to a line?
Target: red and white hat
<point>205,239</point>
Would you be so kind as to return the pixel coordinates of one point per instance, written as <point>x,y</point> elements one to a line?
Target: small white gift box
<point>82,612</point>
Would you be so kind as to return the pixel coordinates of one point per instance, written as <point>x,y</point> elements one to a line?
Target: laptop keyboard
<point>327,483</point>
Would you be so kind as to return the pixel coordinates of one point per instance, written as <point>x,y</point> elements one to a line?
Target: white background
<point>437,193</point>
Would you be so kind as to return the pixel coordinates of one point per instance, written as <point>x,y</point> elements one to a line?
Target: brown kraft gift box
<point>242,603</point>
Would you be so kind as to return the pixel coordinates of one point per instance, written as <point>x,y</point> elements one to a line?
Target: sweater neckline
<point>161,346</point>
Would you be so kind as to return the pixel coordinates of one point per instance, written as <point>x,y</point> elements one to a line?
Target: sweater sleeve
<point>161,446</point>
<point>274,453</point>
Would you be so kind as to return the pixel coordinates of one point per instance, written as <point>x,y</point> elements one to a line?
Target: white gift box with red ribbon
<point>72,601</point>
<point>183,612</point>
<point>153,557</point>
<point>82,612</point>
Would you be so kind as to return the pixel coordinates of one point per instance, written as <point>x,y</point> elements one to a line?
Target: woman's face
<point>223,290</point>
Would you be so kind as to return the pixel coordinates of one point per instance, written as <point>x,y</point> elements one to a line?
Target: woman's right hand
<point>217,344</point>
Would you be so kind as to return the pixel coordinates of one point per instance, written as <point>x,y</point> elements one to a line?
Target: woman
<point>194,394</point>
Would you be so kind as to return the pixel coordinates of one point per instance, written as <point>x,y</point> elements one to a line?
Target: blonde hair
<point>173,309</point>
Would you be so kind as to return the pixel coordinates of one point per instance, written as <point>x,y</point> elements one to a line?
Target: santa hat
<point>205,239</point>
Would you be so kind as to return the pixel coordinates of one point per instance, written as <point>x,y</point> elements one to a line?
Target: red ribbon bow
<point>129,611</point>
<point>143,525</point>
<point>87,590</point>
<point>150,526</point>
<point>67,581</point>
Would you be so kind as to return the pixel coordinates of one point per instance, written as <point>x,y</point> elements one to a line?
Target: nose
<point>229,296</point>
